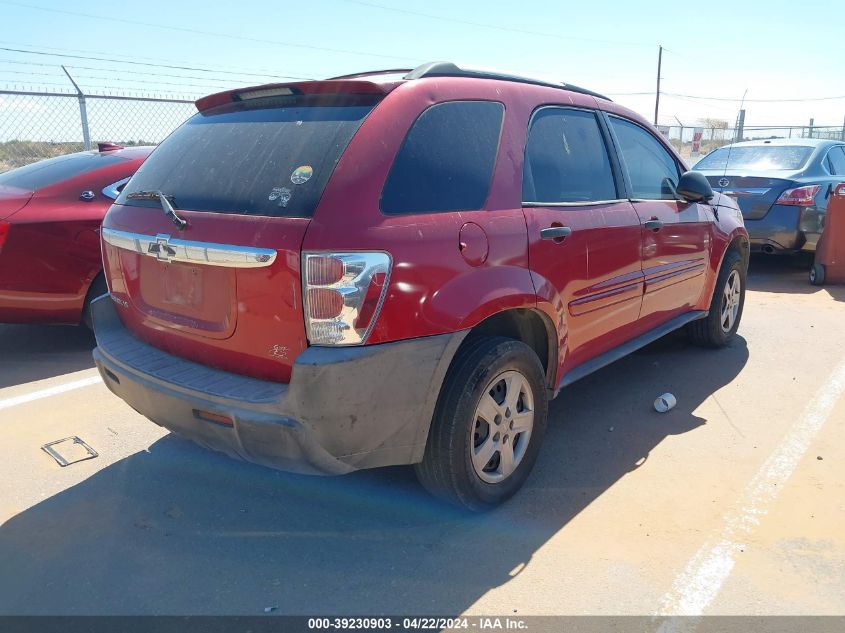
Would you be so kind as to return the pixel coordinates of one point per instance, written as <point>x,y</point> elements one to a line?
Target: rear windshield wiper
<point>166,205</point>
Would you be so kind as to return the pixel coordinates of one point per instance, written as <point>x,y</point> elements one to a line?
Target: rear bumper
<point>784,229</point>
<point>344,409</point>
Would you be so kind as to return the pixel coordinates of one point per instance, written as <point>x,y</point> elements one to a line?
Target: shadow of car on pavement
<point>787,274</point>
<point>36,352</point>
<point>181,530</point>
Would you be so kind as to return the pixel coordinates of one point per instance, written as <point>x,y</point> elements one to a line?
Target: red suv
<point>379,269</point>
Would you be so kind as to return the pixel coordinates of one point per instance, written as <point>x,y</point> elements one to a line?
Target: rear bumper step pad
<point>345,408</point>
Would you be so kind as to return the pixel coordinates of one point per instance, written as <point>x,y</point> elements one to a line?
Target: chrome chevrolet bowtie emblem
<point>724,182</point>
<point>160,248</point>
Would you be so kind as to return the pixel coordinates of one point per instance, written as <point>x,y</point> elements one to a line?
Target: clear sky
<point>715,49</point>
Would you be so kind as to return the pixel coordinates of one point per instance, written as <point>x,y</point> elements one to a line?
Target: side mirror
<point>693,187</point>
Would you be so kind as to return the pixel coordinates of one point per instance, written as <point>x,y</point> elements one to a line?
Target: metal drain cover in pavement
<point>69,451</point>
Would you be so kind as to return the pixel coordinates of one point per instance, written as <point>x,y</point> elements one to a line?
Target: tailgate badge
<point>724,182</point>
<point>279,351</point>
<point>161,248</point>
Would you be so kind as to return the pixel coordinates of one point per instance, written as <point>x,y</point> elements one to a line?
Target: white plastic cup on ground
<point>664,403</point>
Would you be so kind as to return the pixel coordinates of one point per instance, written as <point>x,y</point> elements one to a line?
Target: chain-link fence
<point>36,125</point>
<point>693,142</point>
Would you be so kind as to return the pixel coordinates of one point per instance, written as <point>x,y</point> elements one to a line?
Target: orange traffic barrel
<point>829,266</point>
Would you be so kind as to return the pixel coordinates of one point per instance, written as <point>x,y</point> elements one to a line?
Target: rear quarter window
<point>836,156</point>
<point>446,160</point>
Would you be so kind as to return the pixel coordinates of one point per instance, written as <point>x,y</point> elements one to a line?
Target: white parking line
<point>700,582</point>
<point>46,393</point>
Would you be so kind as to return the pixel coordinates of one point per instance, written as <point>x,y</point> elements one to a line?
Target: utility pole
<point>83,112</point>
<point>739,132</point>
<point>657,96</point>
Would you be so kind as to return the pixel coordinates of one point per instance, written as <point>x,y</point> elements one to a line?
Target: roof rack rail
<point>389,71</point>
<point>448,69</point>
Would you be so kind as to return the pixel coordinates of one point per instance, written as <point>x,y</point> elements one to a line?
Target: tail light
<point>4,233</point>
<point>343,295</point>
<point>800,196</point>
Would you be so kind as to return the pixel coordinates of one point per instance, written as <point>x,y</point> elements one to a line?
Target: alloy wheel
<point>730,301</point>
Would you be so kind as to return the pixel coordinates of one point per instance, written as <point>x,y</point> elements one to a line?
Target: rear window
<point>446,160</point>
<point>757,157</point>
<point>54,170</point>
<point>268,157</point>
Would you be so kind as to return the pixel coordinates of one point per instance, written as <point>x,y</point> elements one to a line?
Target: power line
<point>72,93</point>
<point>121,71</point>
<point>120,61</point>
<point>496,27</point>
<point>162,83</point>
<point>696,102</point>
<point>252,71</point>
<point>182,29</point>
<point>701,98</point>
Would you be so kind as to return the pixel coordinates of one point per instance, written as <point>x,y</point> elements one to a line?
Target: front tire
<point>719,327</point>
<point>488,425</point>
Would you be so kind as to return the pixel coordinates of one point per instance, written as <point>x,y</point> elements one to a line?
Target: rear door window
<point>652,170</point>
<point>446,160</point>
<point>267,156</point>
<point>54,170</point>
<point>566,159</point>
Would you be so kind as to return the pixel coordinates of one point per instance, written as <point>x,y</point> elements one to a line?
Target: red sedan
<point>50,215</point>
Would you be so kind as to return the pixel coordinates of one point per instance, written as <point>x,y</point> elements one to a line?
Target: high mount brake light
<point>264,92</point>
<point>343,295</point>
<point>800,196</point>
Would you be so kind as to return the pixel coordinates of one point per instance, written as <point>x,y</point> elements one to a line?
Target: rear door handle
<point>556,233</point>
<point>653,225</point>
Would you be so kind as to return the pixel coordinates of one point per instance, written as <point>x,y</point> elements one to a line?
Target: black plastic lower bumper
<point>344,408</point>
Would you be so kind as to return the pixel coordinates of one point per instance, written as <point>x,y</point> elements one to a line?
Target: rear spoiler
<point>328,87</point>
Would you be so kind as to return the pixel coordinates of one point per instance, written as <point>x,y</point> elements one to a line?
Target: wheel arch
<point>528,325</point>
<point>739,242</point>
<point>95,287</point>
<point>736,242</point>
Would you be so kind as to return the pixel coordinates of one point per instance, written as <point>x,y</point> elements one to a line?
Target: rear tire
<point>488,424</point>
<point>817,274</point>
<point>97,288</point>
<point>719,327</point>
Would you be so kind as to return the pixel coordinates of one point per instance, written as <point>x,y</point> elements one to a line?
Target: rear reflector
<point>324,303</point>
<point>800,196</point>
<point>215,418</point>
<point>343,294</point>
<point>4,233</point>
